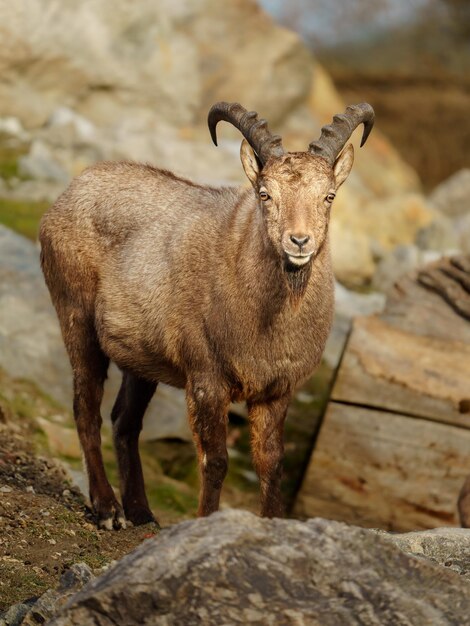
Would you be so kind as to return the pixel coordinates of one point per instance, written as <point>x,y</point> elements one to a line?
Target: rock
<point>452,197</point>
<point>353,263</point>
<point>67,127</point>
<point>31,344</point>
<point>40,163</point>
<point>365,229</point>
<point>439,235</point>
<point>13,127</point>
<point>401,260</point>
<point>348,305</point>
<point>236,568</point>
<point>15,614</point>
<point>449,547</point>
<point>50,602</point>
<point>61,441</point>
<point>102,89</point>
<point>398,262</point>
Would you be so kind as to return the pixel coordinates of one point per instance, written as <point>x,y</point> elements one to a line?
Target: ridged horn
<point>334,136</point>
<point>253,129</point>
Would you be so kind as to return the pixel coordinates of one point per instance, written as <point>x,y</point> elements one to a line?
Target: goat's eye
<point>264,195</point>
<point>330,197</point>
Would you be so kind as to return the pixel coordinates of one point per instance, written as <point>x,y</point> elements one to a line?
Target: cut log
<point>379,469</point>
<point>392,369</point>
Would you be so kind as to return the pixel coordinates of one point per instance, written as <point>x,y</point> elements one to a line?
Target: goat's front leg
<point>207,407</point>
<point>267,445</point>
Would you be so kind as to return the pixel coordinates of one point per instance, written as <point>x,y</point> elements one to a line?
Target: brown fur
<point>189,285</point>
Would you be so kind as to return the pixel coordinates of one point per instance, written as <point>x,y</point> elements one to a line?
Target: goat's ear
<point>343,165</point>
<point>250,162</point>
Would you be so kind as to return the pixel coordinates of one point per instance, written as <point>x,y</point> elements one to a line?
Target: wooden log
<point>395,370</point>
<point>379,469</point>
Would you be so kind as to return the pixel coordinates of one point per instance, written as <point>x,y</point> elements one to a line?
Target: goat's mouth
<point>298,259</point>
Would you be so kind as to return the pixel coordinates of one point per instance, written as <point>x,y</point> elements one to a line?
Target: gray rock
<point>400,261</point>
<point>15,615</point>
<point>236,568</point>
<point>50,602</point>
<point>40,163</point>
<point>31,344</point>
<point>449,547</point>
<point>439,235</point>
<point>12,127</point>
<point>348,305</point>
<point>452,197</point>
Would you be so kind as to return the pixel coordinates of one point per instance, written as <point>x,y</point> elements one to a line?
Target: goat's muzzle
<point>298,247</point>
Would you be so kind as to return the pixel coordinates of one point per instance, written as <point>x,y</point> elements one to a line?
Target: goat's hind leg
<point>90,365</point>
<point>127,415</point>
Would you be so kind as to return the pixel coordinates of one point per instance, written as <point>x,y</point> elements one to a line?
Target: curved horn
<point>253,129</point>
<point>334,136</point>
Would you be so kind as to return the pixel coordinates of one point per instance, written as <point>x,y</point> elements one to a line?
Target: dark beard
<point>297,280</point>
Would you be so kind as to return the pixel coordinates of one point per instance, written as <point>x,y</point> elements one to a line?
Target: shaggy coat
<point>225,292</point>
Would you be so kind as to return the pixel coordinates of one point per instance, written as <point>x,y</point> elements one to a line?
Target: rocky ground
<point>45,525</point>
<point>235,568</point>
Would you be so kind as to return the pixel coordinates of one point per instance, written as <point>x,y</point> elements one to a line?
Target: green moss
<point>169,497</point>
<point>23,216</point>
<point>10,151</point>
<point>24,400</point>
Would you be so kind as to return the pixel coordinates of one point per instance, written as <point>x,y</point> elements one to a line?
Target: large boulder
<point>235,568</point>
<point>452,197</point>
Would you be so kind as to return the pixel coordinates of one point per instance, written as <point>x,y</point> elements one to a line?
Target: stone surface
<point>31,345</point>
<point>449,547</point>
<point>452,196</point>
<point>440,235</point>
<point>41,164</point>
<point>50,602</point>
<point>348,305</point>
<point>39,610</point>
<point>235,568</point>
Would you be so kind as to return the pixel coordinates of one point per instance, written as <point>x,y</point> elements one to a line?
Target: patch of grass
<point>16,584</point>
<point>23,400</point>
<point>10,151</point>
<point>167,496</point>
<point>23,216</point>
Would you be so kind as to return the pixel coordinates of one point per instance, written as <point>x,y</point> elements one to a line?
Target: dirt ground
<point>44,524</point>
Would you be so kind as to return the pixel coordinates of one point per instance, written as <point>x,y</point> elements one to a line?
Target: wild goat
<point>225,292</point>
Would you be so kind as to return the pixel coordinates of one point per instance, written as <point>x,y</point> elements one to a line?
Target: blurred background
<point>83,82</point>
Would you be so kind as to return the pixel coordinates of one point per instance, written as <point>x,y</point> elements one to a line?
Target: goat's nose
<point>299,240</point>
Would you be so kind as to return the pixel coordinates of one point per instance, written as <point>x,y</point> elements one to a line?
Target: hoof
<point>109,517</point>
<point>140,516</point>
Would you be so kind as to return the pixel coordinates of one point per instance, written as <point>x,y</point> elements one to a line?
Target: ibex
<point>225,292</point>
